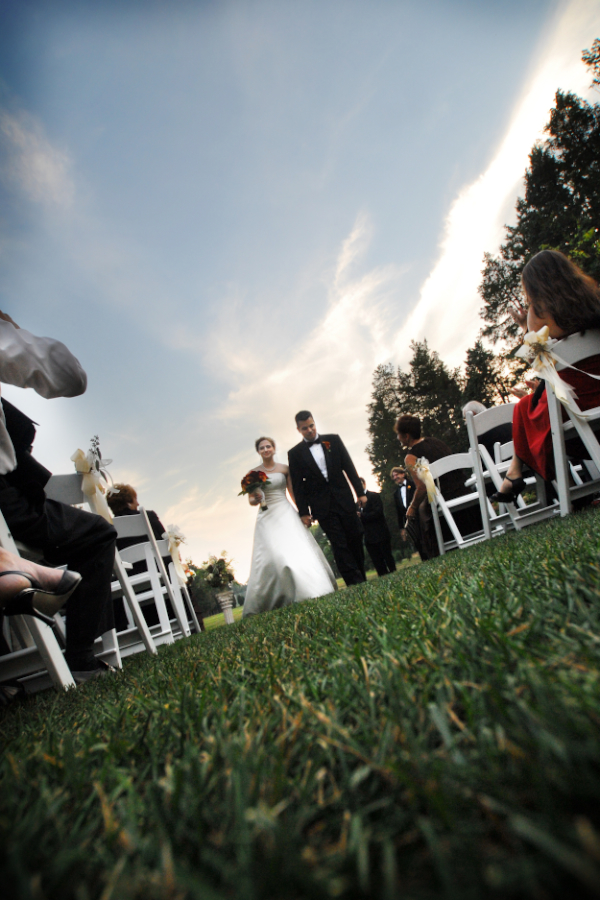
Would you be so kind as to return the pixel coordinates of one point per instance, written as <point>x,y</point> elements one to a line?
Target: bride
<point>287,563</point>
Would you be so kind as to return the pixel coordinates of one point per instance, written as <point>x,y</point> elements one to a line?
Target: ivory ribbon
<point>175,537</point>
<point>91,483</point>
<point>538,350</point>
<point>423,474</point>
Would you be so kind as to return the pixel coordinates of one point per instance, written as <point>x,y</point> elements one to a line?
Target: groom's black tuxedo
<point>330,501</point>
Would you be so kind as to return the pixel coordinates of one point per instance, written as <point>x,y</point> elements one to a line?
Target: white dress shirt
<point>40,363</point>
<point>403,494</point>
<point>318,452</point>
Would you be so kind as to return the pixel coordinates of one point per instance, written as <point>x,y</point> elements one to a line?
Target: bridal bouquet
<point>255,481</point>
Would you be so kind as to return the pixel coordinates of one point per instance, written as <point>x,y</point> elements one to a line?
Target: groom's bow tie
<point>317,440</point>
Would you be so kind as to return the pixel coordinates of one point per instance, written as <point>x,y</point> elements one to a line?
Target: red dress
<point>532,436</point>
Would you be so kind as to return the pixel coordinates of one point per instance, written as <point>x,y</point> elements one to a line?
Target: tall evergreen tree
<point>560,208</point>
<point>484,378</point>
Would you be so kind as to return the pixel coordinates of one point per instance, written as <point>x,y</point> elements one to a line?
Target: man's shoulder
<point>296,448</point>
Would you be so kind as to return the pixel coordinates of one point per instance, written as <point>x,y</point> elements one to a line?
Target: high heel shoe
<point>517,489</point>
<point>38,602</point>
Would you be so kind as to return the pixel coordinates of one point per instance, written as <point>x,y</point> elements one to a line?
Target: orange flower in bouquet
<point>255,481</point>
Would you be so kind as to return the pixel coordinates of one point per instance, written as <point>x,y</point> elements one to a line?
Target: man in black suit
<point>378,539</point>
<point>321,490</point>
<point>405,491</point>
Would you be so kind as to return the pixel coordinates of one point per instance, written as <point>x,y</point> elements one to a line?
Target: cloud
<point>30,163</point>
<point>331,368</point>
<point>447,312</point>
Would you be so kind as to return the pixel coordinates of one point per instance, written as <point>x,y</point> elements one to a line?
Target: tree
<point>560,208</point>
<point>428,390</point>
<point>485,379</point>
<point>433,392</point>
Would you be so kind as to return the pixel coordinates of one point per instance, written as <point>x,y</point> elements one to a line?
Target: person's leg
<point>83,541</point>
<point>343,554</point>
<point>513,481</point>
<point>388,556</point>
<point>429,546</point>
<point>376,553</point>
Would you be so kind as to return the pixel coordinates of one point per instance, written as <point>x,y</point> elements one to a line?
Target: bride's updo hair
<point>258,442</point>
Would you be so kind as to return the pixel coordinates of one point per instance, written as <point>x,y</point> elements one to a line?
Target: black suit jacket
<point>400,507</point>
<point>373,519</point>
<point>312,492</point>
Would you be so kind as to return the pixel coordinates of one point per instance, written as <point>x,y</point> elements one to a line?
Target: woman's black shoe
<point>517,489</point>
<point>38,602</point>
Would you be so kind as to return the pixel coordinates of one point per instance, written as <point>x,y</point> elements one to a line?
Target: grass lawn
<point>432,734</point>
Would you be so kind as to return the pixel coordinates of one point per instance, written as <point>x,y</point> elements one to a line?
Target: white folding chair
<point>487,468</point>
<point>449,507</point>
<point>40,660</point>
<point>67,489</point>
<point>153,584</point>
<point>573,349</point>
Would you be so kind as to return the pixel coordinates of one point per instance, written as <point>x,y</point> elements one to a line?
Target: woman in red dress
<point>560,296</point>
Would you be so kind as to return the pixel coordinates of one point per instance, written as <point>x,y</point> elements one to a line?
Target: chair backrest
<point>572,350</point>
<point>491,418</point>
<point>450,464</point>
<point>66,489</point>
<point>575,347</point>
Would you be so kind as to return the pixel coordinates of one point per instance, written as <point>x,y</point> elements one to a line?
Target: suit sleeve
<point>373,511</point>
<point>348,467</point>
<point>298,485</point>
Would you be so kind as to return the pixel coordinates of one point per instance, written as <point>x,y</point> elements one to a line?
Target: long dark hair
<point>555,285</point>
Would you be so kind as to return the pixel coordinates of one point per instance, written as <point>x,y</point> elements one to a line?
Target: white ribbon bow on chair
<point>423,474</point>
<point>538,350</point>
<point>175,537</point>
<point>91,482</point>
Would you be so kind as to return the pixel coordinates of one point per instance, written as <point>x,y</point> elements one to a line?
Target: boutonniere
<point>327,446</point>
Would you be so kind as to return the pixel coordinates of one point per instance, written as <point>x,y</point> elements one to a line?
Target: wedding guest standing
<point>378,539</point>
<point>405,490</point>
<point>320,468</point>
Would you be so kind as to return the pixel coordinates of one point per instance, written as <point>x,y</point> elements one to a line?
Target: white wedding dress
<point>287,563</point>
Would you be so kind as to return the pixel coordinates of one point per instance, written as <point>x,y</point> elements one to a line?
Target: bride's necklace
<point>272,469</point>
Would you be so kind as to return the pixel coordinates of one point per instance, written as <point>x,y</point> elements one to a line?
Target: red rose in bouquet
<point>255,481</point>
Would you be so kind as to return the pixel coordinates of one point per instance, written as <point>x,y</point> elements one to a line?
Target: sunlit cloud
<point>31,164</point>
<point>331,367</point>
<point>447,312</point>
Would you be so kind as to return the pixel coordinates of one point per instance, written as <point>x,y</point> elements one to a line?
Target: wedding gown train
<point>287,563</point>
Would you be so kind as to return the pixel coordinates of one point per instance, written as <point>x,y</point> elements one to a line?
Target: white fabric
<point>403,494</point>
<point>318,452</point>
<point>37,362</point>
<point>287,563</point>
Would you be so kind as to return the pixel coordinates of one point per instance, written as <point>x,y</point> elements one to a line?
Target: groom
<point>321,490</point>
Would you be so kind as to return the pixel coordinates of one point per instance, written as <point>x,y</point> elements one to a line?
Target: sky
<point>232,210</point>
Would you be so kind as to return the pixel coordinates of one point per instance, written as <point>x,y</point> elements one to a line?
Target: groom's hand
<point>306,521</point>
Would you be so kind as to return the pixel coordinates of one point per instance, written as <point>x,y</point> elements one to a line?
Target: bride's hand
<point>254,498</point>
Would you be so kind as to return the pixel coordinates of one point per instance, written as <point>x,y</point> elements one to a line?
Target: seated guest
<point>126,503</point>
<point>378,539</point>
<point>67,536</point>
<point>498,434</point>
<point>405,490</point>
<point>560,296</point>
<point>419,518</point>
